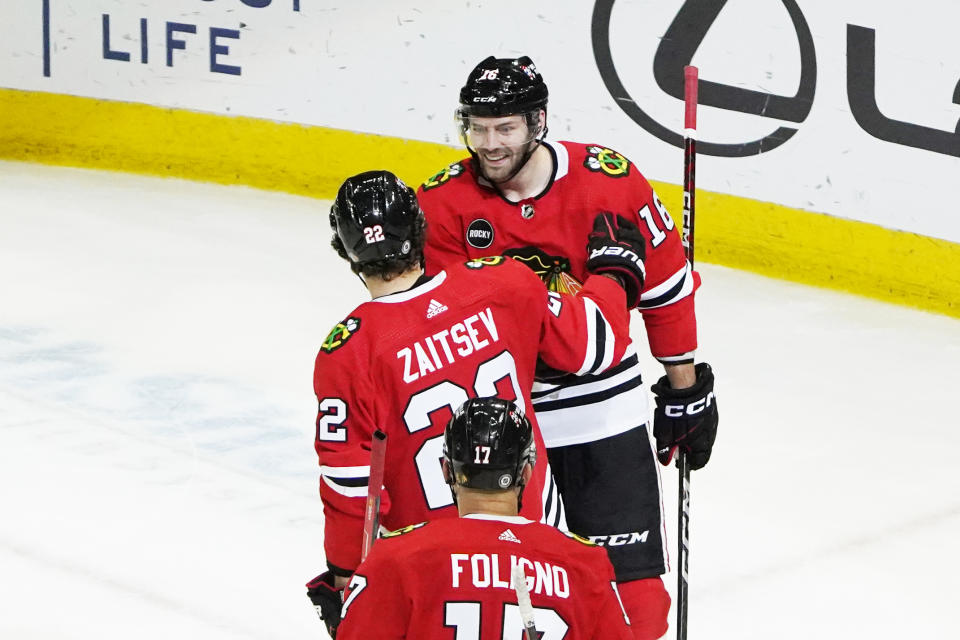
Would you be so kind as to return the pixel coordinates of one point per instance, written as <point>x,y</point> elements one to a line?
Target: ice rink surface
<point>157,473</point>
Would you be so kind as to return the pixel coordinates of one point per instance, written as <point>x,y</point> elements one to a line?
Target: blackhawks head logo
<point>340,334</point>
<point>606,161</point>
<point>553,270</point>
<point>443,176</point>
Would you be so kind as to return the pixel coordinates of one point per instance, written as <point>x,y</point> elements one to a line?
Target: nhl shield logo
<point>480,234</point>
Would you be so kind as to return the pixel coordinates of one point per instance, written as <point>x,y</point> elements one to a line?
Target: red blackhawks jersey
<point>452,579</point>
<point>404,362</point>
<point>467,218</point>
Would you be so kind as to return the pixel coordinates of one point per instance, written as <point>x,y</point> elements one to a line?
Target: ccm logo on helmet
<point>619,539</point>
<point>692,409</point>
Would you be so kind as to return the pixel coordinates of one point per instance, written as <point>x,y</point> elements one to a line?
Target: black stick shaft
<point>683,541</point>
<point>689,201</point>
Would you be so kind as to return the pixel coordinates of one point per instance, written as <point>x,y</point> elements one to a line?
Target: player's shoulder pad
<point>607,162</point>
<point>402,530</point>
<point>580,539</point>
<point>341,334</point>
<point>444,176</point>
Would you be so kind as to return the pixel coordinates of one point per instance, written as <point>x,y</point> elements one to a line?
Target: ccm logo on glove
<point>692,409</point>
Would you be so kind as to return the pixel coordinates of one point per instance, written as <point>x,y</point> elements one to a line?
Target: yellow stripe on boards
<point>765,238</point>
<point>823,250</point>
<point>123,136</point>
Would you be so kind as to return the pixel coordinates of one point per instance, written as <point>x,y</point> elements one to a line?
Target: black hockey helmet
<point>376,219</point>
<point>503,87</point>
<point>487,443</point>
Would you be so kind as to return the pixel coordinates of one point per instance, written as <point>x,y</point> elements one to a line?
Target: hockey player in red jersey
<point>424,345</point>
<point>520,195</point>
<point>453,578</point>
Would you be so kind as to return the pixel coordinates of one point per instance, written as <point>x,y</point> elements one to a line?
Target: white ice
<point>157,475</point>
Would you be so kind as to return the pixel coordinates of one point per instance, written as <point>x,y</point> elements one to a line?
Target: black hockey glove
<point>686,418</point>
<point>616,247</point>
<point>327,599</point>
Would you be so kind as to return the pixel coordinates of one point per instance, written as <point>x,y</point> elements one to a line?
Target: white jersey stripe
<point>591,353</point>
<point>683,357</point>
<point>676,287</point>
<point>594,410</point>
<point>610,342</point>
<point>553,513</point>
<point>345,472</point>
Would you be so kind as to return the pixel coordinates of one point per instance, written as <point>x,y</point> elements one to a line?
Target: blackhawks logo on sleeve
<point>443,176</point>
<point>402,530</point>
<point>553,270</point>
<point>480,263</point>
<point>606,161</point>
<point>340,334</point>
<point>582,540</point>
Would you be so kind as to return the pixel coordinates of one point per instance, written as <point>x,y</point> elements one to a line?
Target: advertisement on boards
<point>850,109</point>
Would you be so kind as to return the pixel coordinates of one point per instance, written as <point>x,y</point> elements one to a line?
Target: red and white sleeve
<point>344,432</point>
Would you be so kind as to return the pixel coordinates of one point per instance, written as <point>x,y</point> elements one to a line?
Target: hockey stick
<point>523,602</point>
<point>371,517</point>
<point>689,194</point>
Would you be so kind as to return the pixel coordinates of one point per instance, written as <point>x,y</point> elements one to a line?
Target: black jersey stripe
<point>571,380</point>
<point>600,338</point>
<point>349,482</point>
<point>589,398</point>
<point>666,297</point>
<point>558,519</point>
<point>550,490</point>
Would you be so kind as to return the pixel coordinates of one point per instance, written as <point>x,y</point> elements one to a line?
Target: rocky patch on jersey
<point>340,334</point>
<point>480,234</point>
<point>553,270</point>
<point>607,162</point>
<point>443,176</point>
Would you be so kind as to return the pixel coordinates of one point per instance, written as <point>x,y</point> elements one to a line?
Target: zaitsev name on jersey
<point>465,334</point>
<point>404,362</point>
